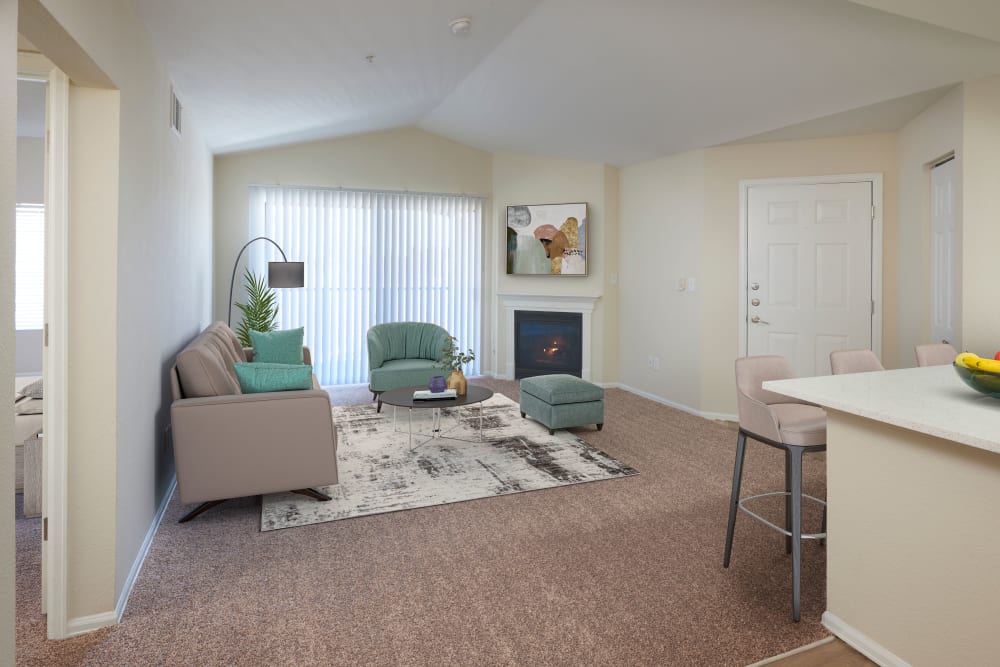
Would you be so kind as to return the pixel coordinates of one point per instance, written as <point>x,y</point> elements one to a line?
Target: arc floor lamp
<point>279,274</point>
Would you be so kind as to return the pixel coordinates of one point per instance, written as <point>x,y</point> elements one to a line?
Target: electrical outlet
<point>650,362</point>
<point>681,284</point>
<point>656,363</point>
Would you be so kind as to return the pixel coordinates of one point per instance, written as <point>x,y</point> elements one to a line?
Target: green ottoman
<point>561,401</point>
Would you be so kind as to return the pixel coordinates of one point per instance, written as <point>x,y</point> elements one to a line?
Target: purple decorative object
<point>437,384</point>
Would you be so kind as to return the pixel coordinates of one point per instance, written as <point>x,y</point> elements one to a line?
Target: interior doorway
<point>810,274</point>
<point>54,353</point>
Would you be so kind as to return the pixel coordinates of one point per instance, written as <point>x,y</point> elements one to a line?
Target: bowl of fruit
<point>983,375</point>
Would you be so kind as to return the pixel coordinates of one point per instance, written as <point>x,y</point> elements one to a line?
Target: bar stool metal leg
<point>788,500</point>
<point>796,496</point>
<point>741,444</point>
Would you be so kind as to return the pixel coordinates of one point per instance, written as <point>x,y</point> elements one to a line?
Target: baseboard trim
<point>795,651</point>
<point>679,406</point>
<point>83,624</point>
<point>861,642</point>
<point>140,557</point>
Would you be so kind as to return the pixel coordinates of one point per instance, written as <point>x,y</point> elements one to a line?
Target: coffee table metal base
<point>403,398</point>
<point>435,431</point>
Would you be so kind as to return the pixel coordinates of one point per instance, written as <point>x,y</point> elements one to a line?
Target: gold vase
<point>458,382</point>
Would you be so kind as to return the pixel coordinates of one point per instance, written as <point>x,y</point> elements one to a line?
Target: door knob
<point>756,320</point>
<point>755,286</point>
<point>755,302</point>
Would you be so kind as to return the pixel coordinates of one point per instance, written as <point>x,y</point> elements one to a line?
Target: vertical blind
<point>371,257</point>
<point>29,266</point>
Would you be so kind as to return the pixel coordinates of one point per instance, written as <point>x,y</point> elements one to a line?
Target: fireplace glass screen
<point>547,343</point>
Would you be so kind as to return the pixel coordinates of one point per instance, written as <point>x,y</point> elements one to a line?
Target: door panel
<point>944,256</point>
<point>809,264</point>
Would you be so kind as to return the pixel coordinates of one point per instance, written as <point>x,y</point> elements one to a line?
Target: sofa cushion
<point>260,377</point>
<point>205,366</point>
<point>403,373</point>
<point>561,389</point>
<point>278,347</point>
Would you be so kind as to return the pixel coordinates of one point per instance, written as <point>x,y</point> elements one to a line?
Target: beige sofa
<point>228,444</point>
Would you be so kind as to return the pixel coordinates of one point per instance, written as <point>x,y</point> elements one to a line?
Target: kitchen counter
<point>931,400</point>
<point>913,493</point>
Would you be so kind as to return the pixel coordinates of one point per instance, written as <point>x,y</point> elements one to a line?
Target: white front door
<point>809,271</point>
<point>945,257</point>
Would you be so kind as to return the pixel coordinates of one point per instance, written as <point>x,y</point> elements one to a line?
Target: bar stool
<point>787,424</point>
<point>854,361</point>
<point>935,354</point>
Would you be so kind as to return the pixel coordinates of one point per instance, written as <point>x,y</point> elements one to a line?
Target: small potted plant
<point>453,359</point>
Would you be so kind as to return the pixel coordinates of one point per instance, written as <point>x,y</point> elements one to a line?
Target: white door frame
<point>55,353</point>
<point>876,181</point>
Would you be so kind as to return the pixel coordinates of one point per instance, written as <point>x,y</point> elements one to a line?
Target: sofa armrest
<point>248,444</point>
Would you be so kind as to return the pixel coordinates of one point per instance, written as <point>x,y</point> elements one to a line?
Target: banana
<point>988,365</point>
<point>967,359</point>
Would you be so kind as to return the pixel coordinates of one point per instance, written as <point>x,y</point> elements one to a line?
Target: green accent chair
<point>403,354</point>
<point>562,401</point>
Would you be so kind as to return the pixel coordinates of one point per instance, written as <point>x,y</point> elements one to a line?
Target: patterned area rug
<point>380,473</point>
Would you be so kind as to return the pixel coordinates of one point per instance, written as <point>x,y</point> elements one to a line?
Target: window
<point>371,257</point>
<point>29,267</point>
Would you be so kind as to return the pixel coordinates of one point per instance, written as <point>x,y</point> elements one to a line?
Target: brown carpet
<point>628,573</point>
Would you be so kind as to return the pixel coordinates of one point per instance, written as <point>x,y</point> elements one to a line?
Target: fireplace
<point>547,342</point>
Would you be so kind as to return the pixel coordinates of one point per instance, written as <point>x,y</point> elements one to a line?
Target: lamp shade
<point>286,274</point>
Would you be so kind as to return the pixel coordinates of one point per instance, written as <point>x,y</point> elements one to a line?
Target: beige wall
<point>933,134</point>
<point>662,213</point>
<point>725,167</point>
<point>403,159</point>
<point>8,180</point>
<point>140,257</point>
<point>93,249</point>
<point>981,215</point>
<point>909,564</point>
<point>533,179</point>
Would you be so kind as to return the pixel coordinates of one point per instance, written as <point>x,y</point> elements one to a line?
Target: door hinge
<point>45,529</point>
<point>873,213</point>
<point>45,342</point>
<point>873,306</point>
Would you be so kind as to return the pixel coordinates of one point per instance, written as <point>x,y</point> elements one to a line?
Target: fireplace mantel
<point>546,302</point>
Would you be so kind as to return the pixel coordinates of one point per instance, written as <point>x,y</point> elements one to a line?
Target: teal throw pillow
<point>259,377</point>
<point>278,347</point>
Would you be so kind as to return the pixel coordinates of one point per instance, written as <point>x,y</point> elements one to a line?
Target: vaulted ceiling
<point>617,81</point>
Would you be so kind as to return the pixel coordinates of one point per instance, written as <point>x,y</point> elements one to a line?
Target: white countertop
<point>931,400</point>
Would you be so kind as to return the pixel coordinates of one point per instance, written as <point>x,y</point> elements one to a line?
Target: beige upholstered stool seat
<point>800,424</point>
<point>935,354</point>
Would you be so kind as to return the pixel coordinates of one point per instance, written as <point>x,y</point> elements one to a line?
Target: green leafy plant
<point>453,358</point>
<point>260,312</point>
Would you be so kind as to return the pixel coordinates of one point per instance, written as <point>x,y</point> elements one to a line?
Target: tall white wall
<point>662,213</point>
<point>8,179</point>
<point>532,179</point>
<point>933,134</point>
<point>981,215</point>
<point>141,278</point>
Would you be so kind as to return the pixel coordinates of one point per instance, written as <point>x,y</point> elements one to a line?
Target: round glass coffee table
<point>403,398</point>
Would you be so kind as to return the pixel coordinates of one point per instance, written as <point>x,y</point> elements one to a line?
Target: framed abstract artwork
<point>547,240</point>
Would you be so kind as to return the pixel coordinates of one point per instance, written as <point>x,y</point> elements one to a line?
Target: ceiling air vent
<point>175,112</point>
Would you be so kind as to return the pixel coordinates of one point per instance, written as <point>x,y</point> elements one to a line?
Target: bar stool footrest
<point>773,526</point>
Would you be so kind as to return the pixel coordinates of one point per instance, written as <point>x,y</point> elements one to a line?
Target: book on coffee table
<point>427,395</point>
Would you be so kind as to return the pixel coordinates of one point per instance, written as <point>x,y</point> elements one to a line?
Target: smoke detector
<point>460,26</point>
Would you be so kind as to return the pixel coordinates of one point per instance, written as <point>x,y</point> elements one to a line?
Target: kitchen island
<point>913,492</point>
